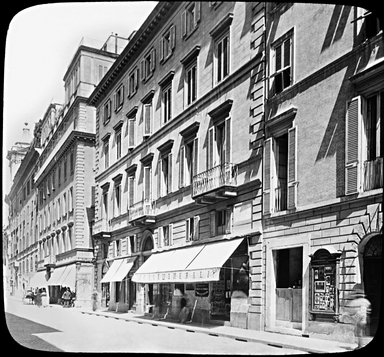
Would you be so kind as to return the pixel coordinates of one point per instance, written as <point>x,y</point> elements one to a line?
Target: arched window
<point>374,247</point>
<point>148,241</point>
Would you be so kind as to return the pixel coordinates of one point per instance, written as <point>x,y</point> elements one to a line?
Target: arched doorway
<point>146,251</point>
<point>372,277</point>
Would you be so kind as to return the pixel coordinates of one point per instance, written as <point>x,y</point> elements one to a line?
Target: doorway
<point>289,272</point>
<point>372,276</point>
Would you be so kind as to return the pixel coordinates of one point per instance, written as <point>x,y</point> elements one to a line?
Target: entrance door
<point>289,272</point>
<point>372,279</point>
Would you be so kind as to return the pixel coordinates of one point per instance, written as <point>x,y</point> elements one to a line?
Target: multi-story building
<point>65,176</point>
<point>323,166</point>
<point>178,164</point>
<point>22,246</point>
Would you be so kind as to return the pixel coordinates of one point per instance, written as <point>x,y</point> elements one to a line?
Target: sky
<point>40,43</point>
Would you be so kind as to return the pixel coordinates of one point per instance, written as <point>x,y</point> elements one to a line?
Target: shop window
<point>323,287</point>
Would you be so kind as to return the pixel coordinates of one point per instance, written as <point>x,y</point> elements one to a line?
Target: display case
<point>324,282</point>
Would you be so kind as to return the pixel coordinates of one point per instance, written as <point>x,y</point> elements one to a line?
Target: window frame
<point>190,82</point>
<point>107,111</point>
<point>119,98</point>
<point>219,69</point>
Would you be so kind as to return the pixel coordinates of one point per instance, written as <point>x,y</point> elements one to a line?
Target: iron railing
<point>281,198</point>
<point>141,209</point>
<point>218,176</point>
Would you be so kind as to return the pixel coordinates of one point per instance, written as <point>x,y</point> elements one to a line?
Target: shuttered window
<point>147,118</point>
<point>267,177</point>
<point>190,18</point>
<point>292,142</point>
<point>147,183</point>
<point>167,43</point>
<point>352,130</point>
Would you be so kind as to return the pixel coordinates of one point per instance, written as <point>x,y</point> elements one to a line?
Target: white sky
<point>41,41</point>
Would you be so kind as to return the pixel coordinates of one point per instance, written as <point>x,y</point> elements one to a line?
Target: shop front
<point>61,278</point>
<point>117,287</point>
<point>202,277</point>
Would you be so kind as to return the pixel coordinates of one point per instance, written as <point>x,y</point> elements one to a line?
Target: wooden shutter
<point>228,138</point>
<point>153,60</point>
<point>169,173</point>
<point>131,191</point>
<point>136,79</point>
<point>195,156</point>
<point>196,221</point>
<point>147,183</point>
<point>160,237</point>
<point>292,150</point>
<point>147,119</point>
<point>187,230</point>
<point>170,232</point>
<point>352,132</point>
<point>131,133</point>
<point>161,48</point>
<point>172,37</point>
<point>212,223</point>
<point>197,12</point>
<point>181,166</point>
<point>159,178</point>
<point>142,69</point>
<point>211,134</point>
<point>267,177</point>
<point>183,24</point>
<point>229,215</point>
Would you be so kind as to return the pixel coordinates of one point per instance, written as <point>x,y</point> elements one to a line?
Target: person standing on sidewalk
<point>44,297</point>
<point>359,309</point>
<point>38,298</point>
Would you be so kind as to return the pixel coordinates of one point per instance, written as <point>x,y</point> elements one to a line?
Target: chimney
<point>26,136</point>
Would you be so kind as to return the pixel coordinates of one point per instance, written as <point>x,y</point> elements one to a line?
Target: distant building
<point>65,177</point>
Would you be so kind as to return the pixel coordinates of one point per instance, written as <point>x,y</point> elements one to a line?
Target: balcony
<point>217,183</point>
<point>50,261</point>
<point>373,174</point>
<point>281,198</point>
<point>142,213</point>
<point>101,228</point>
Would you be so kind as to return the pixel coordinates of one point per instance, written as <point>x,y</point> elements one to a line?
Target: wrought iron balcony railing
<point>373,174</point>
<point>216,177</point>
<point>281,198</point>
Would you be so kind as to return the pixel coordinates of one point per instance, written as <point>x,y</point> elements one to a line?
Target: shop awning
<point>68,278</point>
<point>38,280</point>
<point>118,270</point>
<point>188,265</point>
<point>56,275</point>
<point>64,276</point>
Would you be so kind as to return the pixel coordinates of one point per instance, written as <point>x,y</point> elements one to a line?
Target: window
<point>280,172</point>
<point>191,82</point>
<point>53,180</point>
<point>119,98</point>
<point>189,228</point>
<point>58,209</point>
<point>131,191</point>
<point>190,18</point>
<point>221,221</point>
<point>118,143</point>
<point>165,175</point>
<point>118,247</point>
<point>133,82</point>
<point>219,144</point>
<point>147,65</point>
<point>147,183</point>
<point>131,133</point>
<point>148,114</point>
<point>72,162</point>
<point>65,169</point>
<point>64,204</point>
<point>105,204</point>
<point>188,162</point>
<point>102,71</point>
<point>364,164</point>
<point>166,103</point>
<point>107,111</point>
<point>167,44</point>
<point>117,200</point>
<point>132,244</point>
<point>222,57</point>
<point>70,200</point>
<point>281,64</point>
<point>59,175</point>
<point>106,153</point>
<point>165,235</point>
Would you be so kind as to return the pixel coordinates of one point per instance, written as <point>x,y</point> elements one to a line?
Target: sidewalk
<point>305,344</point>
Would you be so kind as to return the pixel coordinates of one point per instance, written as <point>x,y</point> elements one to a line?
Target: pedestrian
<point>66,297</point>
<point>38,298</point>
<point>44,297</point>
<point>184,312</point>
<point>359,309</point>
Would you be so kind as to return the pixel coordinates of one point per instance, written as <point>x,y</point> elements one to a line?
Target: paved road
<point>76,332</point>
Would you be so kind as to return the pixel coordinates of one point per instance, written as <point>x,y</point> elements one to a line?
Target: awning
<point>38,280</point>
<point>64,276</point>
<point>56,275</point>
<point>118,270</point>
<point>188,265</point>
<point>68,278</point>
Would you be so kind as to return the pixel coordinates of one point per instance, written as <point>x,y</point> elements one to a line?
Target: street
<point>54,328</point>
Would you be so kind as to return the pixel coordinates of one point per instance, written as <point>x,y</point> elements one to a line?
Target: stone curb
<point>238,337</point>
